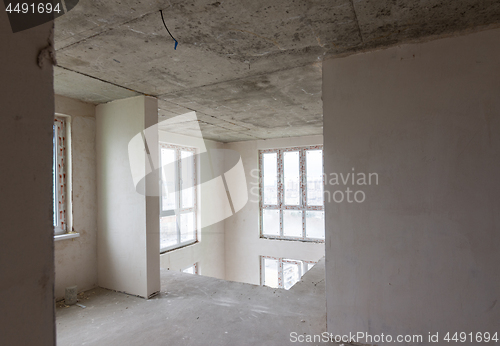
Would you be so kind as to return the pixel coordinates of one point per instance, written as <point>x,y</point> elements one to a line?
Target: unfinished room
<point>250,173</point>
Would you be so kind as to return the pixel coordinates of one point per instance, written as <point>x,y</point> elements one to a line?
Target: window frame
<point>303,206</point>
<point>281,260</point>
<point>67,206</point>
<point>178,210</point>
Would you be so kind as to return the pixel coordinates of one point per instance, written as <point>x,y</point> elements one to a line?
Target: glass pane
<point>270,178</point>
<point>270,222</point>
<point>190,270</point>
<point>187,227</point>
<point>271,272</point>
<point>292,223</point>
<point>291,274</point>
<point>315,224</point>
<point>314,170</point>
<point>168,231</point>
<point>187,165</point>
<point>168,165</point>
<point>291,177</point>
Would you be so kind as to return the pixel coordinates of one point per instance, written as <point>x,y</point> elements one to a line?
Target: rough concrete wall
<point>76,259</point>
<point>127,222</point>
<point>242,238</point>
<point>421,253</point>
<point>209,251</point>
<point>26,236</point>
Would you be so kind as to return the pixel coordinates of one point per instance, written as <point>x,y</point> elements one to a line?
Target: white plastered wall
<point>421,253</point>
<point>76,259</point>
<point>243,245</point>
<point>128,222</point>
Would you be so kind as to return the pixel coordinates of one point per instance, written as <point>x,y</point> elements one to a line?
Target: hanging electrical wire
<point>175,47</point>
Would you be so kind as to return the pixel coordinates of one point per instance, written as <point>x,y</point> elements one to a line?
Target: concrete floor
<point>197,310</point>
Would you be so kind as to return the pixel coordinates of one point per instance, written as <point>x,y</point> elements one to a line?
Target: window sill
<point>303,240</point>
<point>180,246</point>
<point>66,236</point>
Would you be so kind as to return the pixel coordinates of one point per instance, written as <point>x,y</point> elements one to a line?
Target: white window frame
<point>62,231</point>
<point>280,200</point>
<point>178,210</point>
<point>302,268</point>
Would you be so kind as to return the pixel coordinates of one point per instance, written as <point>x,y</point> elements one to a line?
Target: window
<point>59,191</point>
<point>192,269</point>
<point>281,272</point>
<point>178,197</point>
<point>291,194</point>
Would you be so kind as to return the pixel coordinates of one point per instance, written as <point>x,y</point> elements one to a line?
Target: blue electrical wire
<point>176,43</point>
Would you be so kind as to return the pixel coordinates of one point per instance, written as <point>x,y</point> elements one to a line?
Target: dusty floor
<point>197,310</point>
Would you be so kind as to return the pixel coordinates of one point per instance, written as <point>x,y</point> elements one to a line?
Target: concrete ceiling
<point>250,69</point>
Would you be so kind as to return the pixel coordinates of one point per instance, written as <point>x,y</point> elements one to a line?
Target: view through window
<point>282,272</point>
<point>291,194</point>
<point>191,269</point>
<point>178,197</point>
